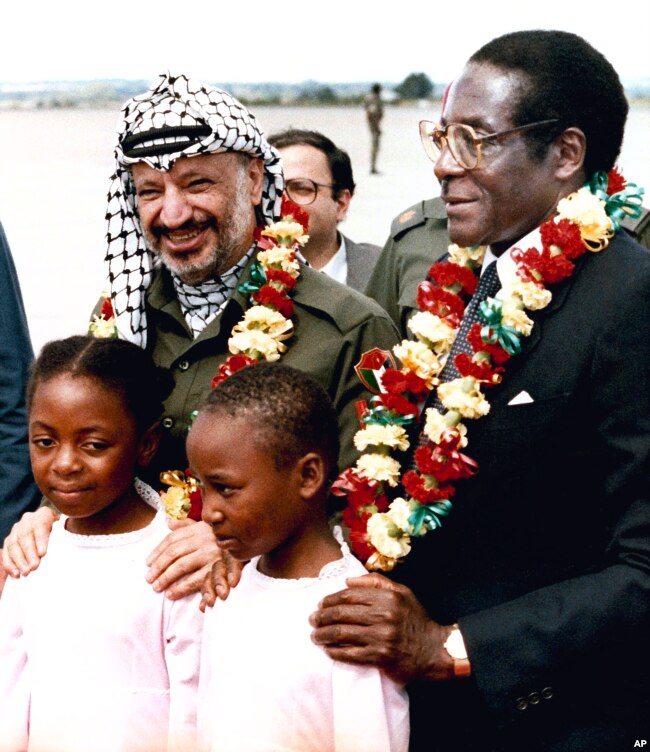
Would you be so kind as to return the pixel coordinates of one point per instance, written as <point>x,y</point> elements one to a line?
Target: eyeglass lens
<point>459,138</point>
<point>461,144</point>
<point>301,191</point>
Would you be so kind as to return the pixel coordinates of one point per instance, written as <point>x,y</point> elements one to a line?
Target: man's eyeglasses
<point>464,144</point>
<point>303,191</point>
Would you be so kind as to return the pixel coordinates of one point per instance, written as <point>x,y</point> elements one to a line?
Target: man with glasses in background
<point>318,176</point>
<point>520,620</point>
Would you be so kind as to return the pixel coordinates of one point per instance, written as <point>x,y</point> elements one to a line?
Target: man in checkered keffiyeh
<point>155,215</point>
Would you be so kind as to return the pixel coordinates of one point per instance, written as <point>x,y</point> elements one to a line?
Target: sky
<point>335,41</point>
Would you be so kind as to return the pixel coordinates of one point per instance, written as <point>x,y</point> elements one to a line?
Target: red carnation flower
<point>482,371</point>
<point>615,181</point>
<point>107,309</point>
<point>269,296</point>
<point>447,274</point>
<point>399,404</point>
<point>440,302</point>
<point>397,382</point>
<point>196,505</point>
<point>497,354</point>
<point>279,275</point>
<point>289,209</point>
<point>415,486</point>
<point>232,364</point>
<point>556,268</point>
<point>565,235</point>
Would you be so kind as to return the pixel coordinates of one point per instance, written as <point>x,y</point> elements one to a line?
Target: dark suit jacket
<point>17,490</point>
<point>361,259</point>
<point>545,558</point>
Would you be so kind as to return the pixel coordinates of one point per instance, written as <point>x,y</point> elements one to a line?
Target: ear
<point>312,470</point>
<point>255,172</point>
<point>571,148</point>
<point>148,444</point>
<point>343,204</point>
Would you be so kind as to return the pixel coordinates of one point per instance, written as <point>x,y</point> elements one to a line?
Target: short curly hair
<point>293,412</point>
<point>566,78</point>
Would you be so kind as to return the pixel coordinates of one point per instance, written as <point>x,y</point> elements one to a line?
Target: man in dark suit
<point>319,178</point>
<point>522,622</point>
<point>18,492</point>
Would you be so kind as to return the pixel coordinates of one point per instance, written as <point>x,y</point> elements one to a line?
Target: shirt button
<point>521,703</point>
<point>184,365</point>
<point>547,693</point>
<point>167,422</point>
<point>534,698</point>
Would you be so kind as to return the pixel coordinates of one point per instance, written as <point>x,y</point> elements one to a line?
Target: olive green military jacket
<point>418,237</point>
<point>333,327</point>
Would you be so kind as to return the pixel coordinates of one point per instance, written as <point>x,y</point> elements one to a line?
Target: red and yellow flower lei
<point>381,527</point>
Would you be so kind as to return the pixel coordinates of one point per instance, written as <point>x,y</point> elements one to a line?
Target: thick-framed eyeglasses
<point>303,191</point>
<point>464,144</point>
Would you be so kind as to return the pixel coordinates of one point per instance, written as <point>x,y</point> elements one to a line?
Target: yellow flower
<point>462,256</point>
<point>379,562</point>
<point>255,342</point>
<point>433,331</point>
<point>435,423</point>
<point>176,502</point>
<point>387,538</point>
<point>417,357</point>
<point>400,511</point>
<point>533,297</point>
<point>103,328</point>
<point>513,314</point>
<point>588,212</point>
<point>464,396</point>
<point>379,467</point>
<point>375,434</point>
<point>265,319</point>
<point>286,232</point>
<point>280,258</point>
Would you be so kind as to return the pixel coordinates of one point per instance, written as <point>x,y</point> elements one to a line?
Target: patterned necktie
<point>487,287</point>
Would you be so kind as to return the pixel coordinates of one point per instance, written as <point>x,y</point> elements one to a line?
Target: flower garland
<point>260,335</point>
<point>380,528</point>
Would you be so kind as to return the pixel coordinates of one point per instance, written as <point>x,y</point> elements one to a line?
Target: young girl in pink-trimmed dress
<point>92,659</point>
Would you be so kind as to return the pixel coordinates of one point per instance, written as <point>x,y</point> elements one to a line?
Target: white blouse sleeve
<point>371,711</point>
<point>14,677</point>
<point>182,655</point>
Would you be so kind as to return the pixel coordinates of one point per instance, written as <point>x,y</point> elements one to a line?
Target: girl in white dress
<point>91,658</point>
<point>264,449</point>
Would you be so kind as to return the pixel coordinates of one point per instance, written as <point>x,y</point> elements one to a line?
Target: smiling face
<point>510,193</point>
<point>199,216</point>
<point>84,449</point>
<point>253,507</point>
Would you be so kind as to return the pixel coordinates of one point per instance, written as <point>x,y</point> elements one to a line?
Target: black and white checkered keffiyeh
<point>202,303</point>
<point>178,117</point>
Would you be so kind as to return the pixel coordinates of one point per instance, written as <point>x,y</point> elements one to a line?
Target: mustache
<point>158,230</point>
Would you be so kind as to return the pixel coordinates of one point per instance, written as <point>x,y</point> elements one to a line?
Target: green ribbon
<point>625,203</point>
<point>256,280</point>
<point>426,517</point>
<point>379,414</point>
<point>495,331</point>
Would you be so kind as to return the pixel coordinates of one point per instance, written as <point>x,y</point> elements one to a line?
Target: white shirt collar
<point>337,266</point>
<point>506,265</point>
